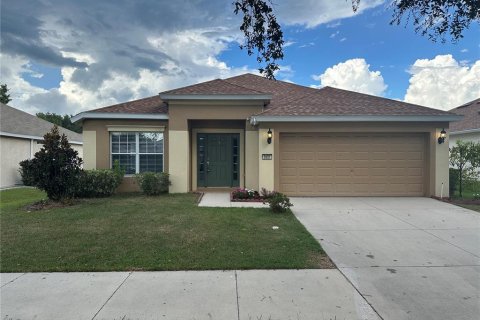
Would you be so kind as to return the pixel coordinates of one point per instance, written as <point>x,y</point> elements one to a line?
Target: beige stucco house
<point>468,128</point>
<point>248,131</point>
<point>21,136</point>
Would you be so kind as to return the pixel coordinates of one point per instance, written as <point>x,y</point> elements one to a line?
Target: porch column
<point>439,164</point>
<point>178,160</point>
<point>266,168</point>
<point>251,157</point>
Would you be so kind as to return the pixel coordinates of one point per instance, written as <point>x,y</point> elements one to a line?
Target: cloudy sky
<point>67,56</point>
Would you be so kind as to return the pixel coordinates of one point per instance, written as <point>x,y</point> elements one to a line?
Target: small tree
<point>56,167</point>
<point>465,157</point>
<point>4,95</point>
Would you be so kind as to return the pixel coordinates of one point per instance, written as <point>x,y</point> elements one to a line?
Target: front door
<point>218,159</point>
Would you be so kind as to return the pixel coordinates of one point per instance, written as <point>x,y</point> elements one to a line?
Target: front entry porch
<point>218,160</point>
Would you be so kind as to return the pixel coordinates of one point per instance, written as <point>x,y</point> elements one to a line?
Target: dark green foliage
<point>465,157</point>
<point>96,183</point>
<point>278,202</point>
<point>27,172</point>
<point>4,95</point>
<point>437,18</point>
<point>55,168</point>
<point>454,179</point>
<point>61,121</point>
<point>262,32</point>
<point>153,183</point>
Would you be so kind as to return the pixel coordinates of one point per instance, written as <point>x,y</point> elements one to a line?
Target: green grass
<point>474,207</point>
<point>469,189</point>
<point>134,232</point>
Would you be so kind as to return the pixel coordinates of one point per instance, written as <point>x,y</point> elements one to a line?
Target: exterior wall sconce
<point>443,135</point>
<point>269,136</point>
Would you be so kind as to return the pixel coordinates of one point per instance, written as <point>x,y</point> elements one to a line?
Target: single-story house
<point>467,129</point>
<point>248,131</point>
<point>21,136</point>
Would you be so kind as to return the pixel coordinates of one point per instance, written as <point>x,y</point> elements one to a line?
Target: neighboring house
<point>247,131</point>
<point>467,129</point>
<point>21,136</point>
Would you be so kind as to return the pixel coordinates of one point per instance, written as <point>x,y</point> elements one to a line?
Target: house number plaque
<point>267,156</point>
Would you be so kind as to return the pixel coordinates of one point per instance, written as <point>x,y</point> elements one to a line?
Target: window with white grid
<point>137,151</point>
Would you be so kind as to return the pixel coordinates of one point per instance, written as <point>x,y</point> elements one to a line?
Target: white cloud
<point>130,49</point>
<point>353,74</point>
<point>464,50</point>
<point>443,83</point>
<point>343,39</point>
<point>312,13</point>
<point>333,35</point>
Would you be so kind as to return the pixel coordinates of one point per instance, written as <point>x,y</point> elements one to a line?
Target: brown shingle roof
<point>471,119</point>
<point>146,105</point>
<point>288,99</point>
<point>332,101</point>
<point>217,86</point>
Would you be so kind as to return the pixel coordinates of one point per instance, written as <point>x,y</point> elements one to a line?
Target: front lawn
<point>134,232</point>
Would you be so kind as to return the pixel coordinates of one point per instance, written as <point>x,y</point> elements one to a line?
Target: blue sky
<point>64,56</point>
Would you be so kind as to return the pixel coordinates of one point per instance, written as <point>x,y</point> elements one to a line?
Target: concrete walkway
<point>411,258</point>
<point>256,294</point>
<point>222,199</point>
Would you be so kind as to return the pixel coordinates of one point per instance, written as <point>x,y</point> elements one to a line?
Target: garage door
<point>318,164</point>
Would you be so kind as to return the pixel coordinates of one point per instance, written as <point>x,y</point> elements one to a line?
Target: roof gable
<point>471,119</point>
<point>14,122</point>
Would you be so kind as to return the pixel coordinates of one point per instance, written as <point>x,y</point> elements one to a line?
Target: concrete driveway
<point>410,258</point>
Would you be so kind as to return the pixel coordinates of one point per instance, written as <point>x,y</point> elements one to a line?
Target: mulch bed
<point>459,200</point>
<point>50,204</point>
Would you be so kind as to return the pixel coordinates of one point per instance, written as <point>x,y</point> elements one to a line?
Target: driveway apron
<point>410,258</point>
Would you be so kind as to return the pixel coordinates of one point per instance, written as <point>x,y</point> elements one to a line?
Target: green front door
<point>218,159</point>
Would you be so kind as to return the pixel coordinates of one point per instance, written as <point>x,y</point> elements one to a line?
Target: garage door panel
<point>352,164</point>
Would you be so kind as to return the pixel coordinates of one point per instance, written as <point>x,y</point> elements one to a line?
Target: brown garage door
<point>319,164</point>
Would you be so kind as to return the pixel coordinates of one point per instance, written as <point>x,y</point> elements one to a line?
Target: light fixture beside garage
<point>443,135</point>
<point>269,136</point>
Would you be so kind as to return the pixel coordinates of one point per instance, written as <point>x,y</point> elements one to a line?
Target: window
<point>137,151</point>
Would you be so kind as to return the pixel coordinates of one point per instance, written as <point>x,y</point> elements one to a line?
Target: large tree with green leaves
<point>64,121</point>
<point>4,95</point>
<point>437,19</point>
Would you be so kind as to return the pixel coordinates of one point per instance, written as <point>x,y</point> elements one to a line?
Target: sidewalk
<point>222,199</point>
<point>253,294</point>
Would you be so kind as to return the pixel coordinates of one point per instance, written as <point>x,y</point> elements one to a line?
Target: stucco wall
<point>14,150</point>
<point>97,144</point>
<point>473,137</point>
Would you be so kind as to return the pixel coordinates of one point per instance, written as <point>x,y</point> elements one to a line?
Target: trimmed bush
<point>27,172</point>
<point>96,183</point>
<point>55,168</point>
<point>153,183</point>
<point>454,179</point>
<point>278,202</point>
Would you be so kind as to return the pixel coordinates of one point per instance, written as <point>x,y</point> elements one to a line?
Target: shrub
<point>55,168</point>
<point>267,194</point>
<point>278,202</point>
<point>242,193</point>
<point>96,183</point>
<point>453,180</point>
<point>27,170</point>
<point>153,183</point>
<point>118,171</point>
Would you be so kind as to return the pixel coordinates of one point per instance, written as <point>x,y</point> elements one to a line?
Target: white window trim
<point>137,150</point>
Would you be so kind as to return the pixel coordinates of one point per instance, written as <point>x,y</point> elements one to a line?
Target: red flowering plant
<point>243,194</point>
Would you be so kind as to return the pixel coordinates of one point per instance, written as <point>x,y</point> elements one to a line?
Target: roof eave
<point>466,131</point>
<point>119,115</point>
<point>357,118</point>
<point>31,137</point>
<point>261,97</point>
